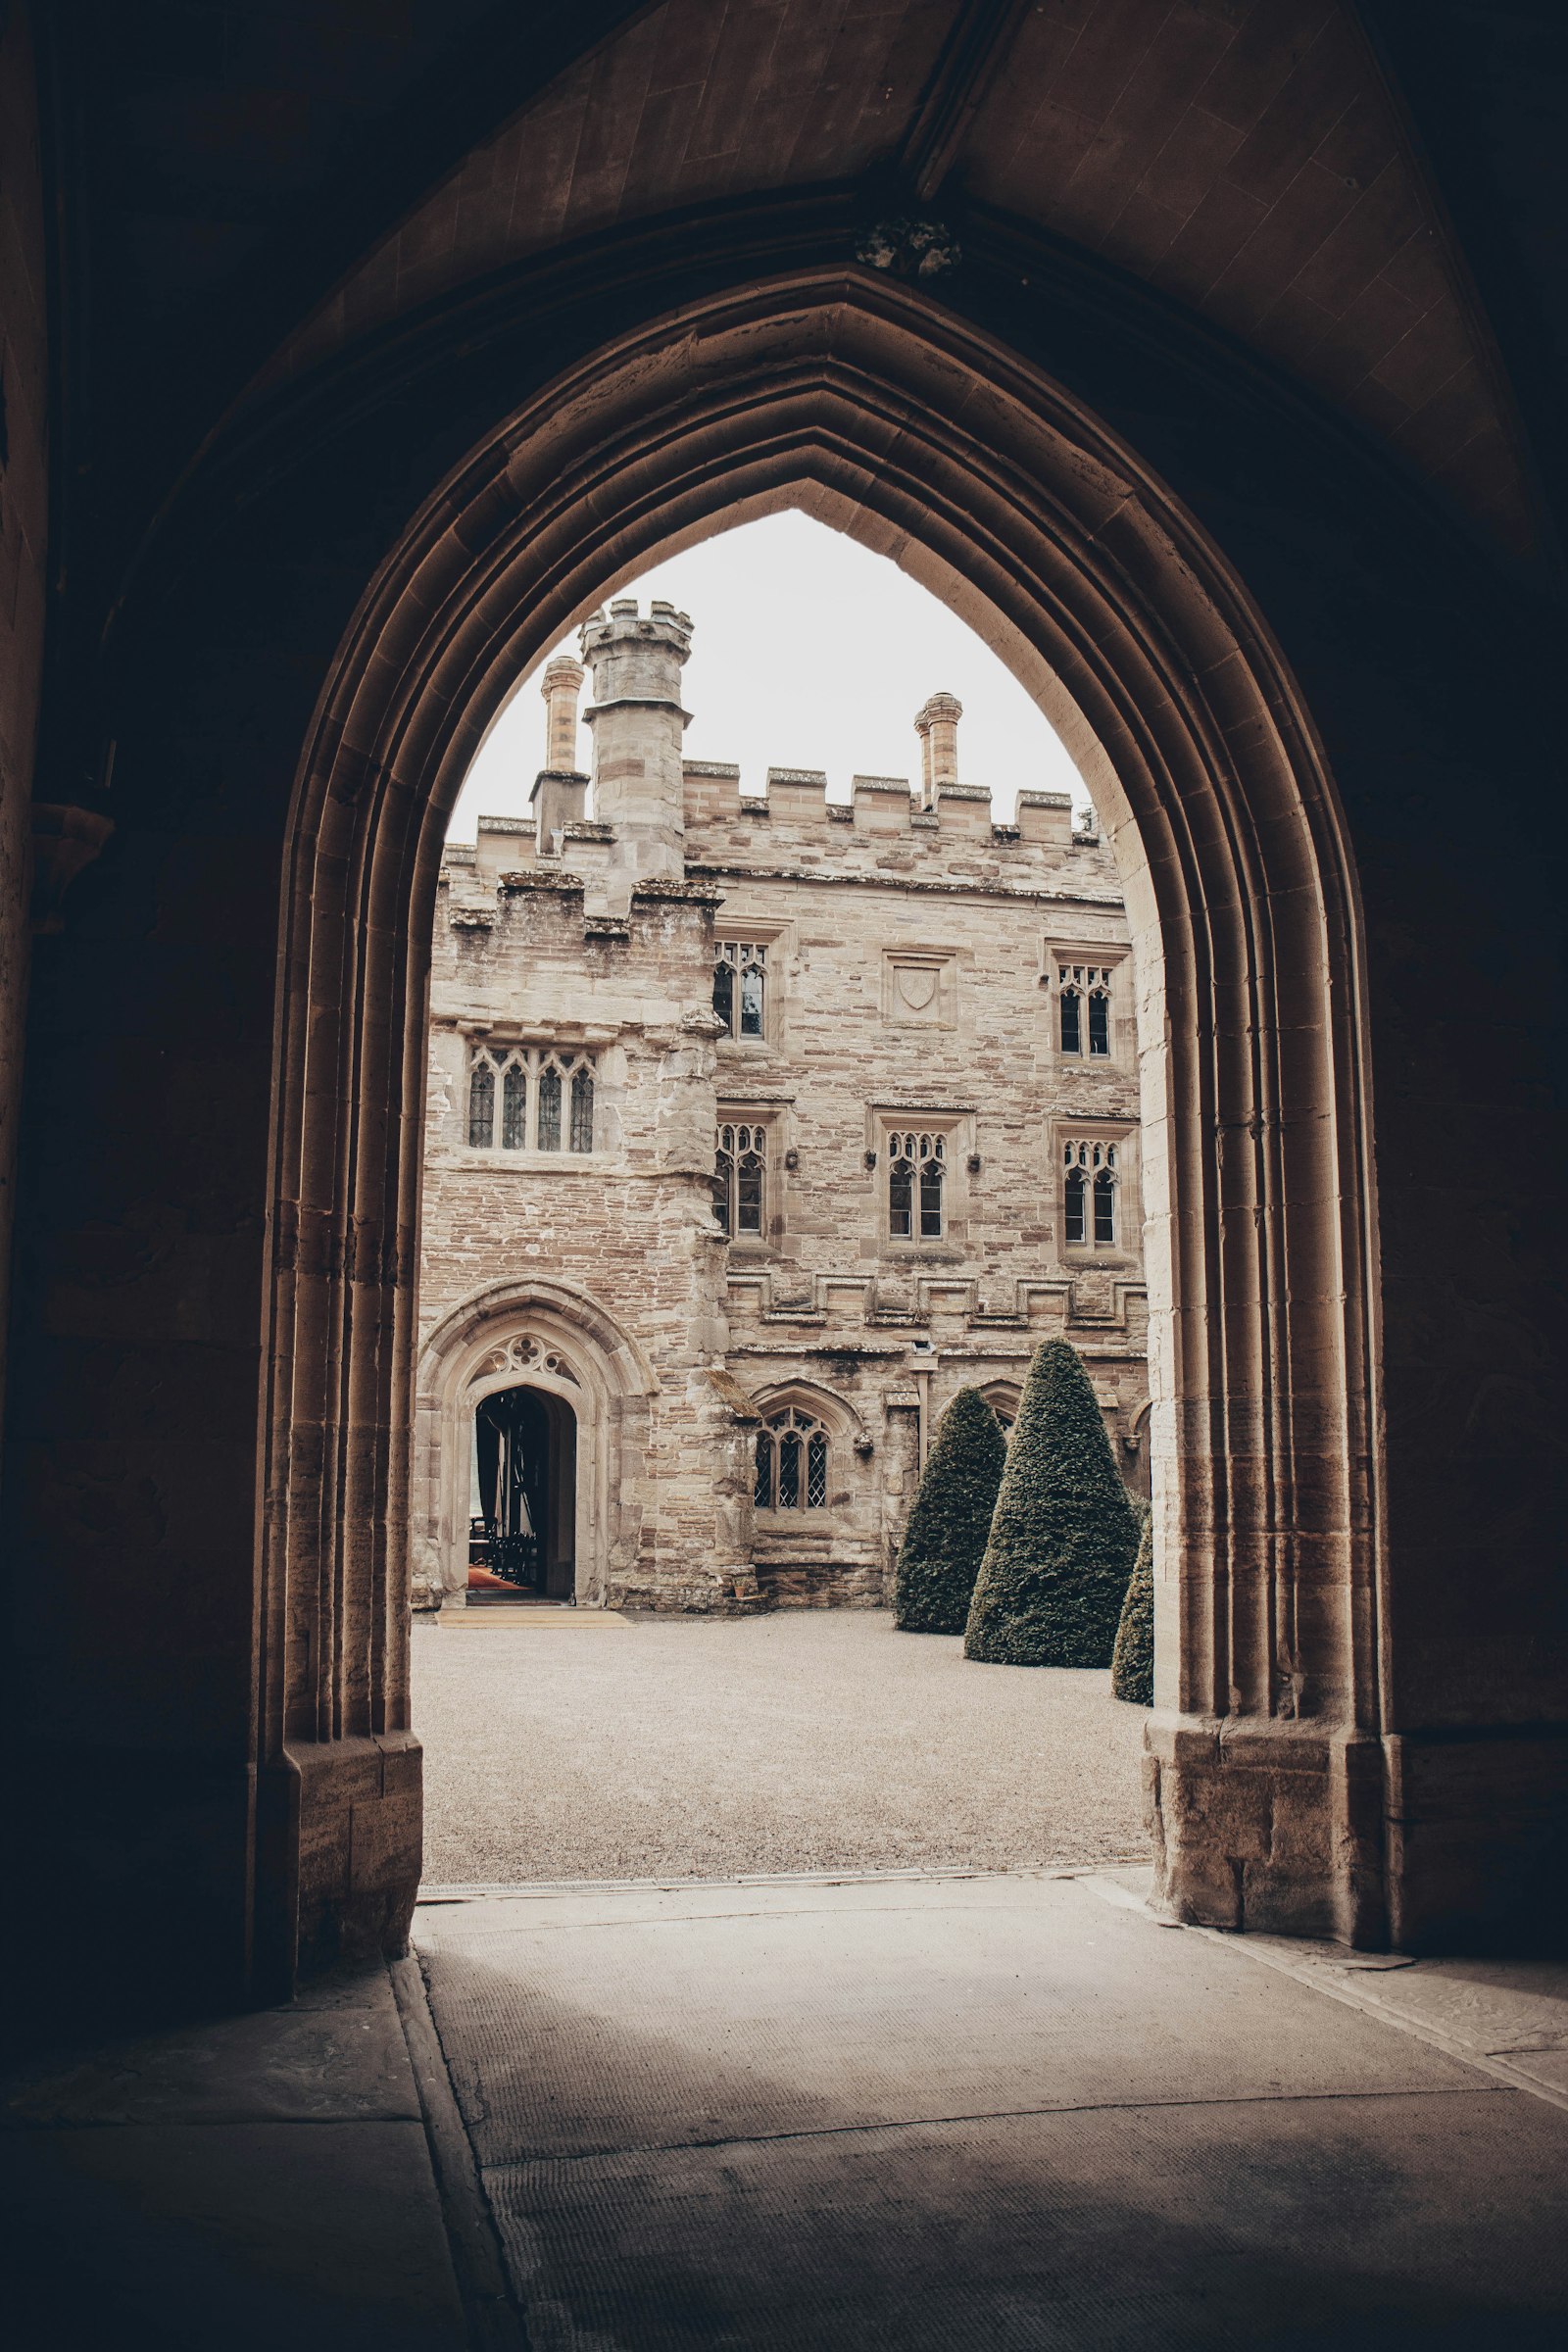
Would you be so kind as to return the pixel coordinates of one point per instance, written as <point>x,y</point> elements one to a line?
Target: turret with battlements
<point>637,724</point>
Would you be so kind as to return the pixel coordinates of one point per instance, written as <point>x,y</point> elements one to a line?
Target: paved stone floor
<point>950,2110</point>
<point>1013,2112</point>
<point>585,1746</point>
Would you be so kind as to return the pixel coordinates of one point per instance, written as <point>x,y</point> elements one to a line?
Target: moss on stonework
<point>1063,1536</point>
<point>946,1536</point>
<point>1132,1667</point>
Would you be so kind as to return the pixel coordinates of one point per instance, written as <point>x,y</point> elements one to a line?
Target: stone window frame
<point>532,1061</point>
<point>769,1119</point>
<point>956,1126</point>
<point>914,956</point>
<point>773,937</point>
<point>1093,966</point>
<point>848,1446</point>
<point>1103,1136</point>
<point>795,1447</point>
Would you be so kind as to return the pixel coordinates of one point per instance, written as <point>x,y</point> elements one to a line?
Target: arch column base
<point>348,1816</point>
<point>1275,1826</point>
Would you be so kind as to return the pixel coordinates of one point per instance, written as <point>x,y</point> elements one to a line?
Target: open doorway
<point>523,1499</point>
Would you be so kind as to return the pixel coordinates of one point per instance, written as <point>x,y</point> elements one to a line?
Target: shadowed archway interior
<point>890,420</point>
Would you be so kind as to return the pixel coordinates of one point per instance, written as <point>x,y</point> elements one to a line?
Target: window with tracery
<point>1084,1009</point>
<point>740,1178</point>
<point>739,980</point>
<point>792,1462</point>
<point>1090,1184</point>
<point>533,1083</point>
<point>917,1167</point>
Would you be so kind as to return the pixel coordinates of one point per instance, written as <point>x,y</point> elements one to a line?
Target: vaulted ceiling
<point>1364,200</point>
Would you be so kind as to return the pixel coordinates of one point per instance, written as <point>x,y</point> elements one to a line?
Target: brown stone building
<point>756,1128</point>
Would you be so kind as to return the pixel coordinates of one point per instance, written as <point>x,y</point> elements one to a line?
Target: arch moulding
<point>539,1335</point>
<point>870,407</point>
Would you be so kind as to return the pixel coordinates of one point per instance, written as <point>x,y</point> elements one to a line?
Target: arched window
<point>481,1105</point>
<point>1003,1399</point>
<point>582,1109</point>
<point>1085,1011</point>
<point>550,1109</point>
<point>1104,1207</point>
<point>1077,1188</point>
<point>514,1108</point>
<point>739,974</point>
<point>916,1170</point>
<point>1089,1188</point>
<point>740,1174</point>
<point>546,1072</point>
<point>792,1462</point>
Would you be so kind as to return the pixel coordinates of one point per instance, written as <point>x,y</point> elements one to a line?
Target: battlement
<point>794,827</point>
<point>659,817</point>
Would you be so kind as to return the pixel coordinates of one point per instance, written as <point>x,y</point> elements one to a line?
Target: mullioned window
<point>524,1097</point>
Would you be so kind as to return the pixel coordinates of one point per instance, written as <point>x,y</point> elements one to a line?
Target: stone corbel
<point>65,840</point>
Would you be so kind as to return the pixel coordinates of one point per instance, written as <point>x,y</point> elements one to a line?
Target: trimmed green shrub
<point>1132,1667</point>
<point>1065,1534</point>
<point>943,1544</point>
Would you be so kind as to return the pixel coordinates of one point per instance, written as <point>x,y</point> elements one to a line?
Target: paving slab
<point>1003,2111</point>
<point>247,2182</point>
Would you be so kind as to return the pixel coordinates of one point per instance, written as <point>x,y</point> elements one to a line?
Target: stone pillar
<point>637,724</point>
<point>936,725</point>
<point>560,795</point>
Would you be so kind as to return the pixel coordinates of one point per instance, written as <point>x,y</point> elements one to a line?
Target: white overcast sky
<point>807,651</point>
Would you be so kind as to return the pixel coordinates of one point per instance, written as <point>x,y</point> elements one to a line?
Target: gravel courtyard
<point>806,1740</point>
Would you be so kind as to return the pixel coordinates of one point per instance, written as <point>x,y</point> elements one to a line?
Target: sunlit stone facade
<point>756,1128</point>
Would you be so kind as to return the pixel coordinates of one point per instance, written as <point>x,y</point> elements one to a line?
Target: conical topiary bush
<point>1132,1667</point>
<point>1065,1534</point>
<point>946,1537</point>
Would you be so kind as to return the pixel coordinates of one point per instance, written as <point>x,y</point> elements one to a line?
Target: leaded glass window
<point>739,981</point>
<point>1104,1207</point>
<point>1077,1188</point>
<point>792,1462</point>
<point>1084,1009</point>
<point>582,1109</point>
<point>1091,1176</point>
<point>514,1108</point>
<point>916,1174</point>
<point>541,1092</point>
<point>481,1105</point>
<point>740,1178</point>
<point>550,1109</point>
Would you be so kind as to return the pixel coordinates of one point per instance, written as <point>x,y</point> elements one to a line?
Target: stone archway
<point>921,436</point>
<point>544,1336</point>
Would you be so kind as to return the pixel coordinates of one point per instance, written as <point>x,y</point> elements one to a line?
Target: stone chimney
<point>560,795</point>
<point>937,727</point>
<point>637,723</point>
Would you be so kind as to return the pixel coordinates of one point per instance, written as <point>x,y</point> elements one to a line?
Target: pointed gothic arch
<point>547,1336</point>
<point>870,407</point>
